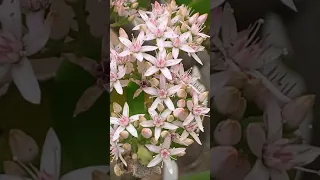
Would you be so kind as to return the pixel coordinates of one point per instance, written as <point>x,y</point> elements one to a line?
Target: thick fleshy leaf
<point>88,98</point>
<point>45,68</point>
<point>290,4</point>
<point>171,176</point>
<point>273,118</point>
<point>84,173</point>
<point>279,175</point>
<point>51,155</point>
<point>4,69</point>
<point>10,17</point>
<point>87,64</point>
<point>229,25</point>
<point>25,79</point>
<point>304,154</point>
<point>228,132</point>
<point>38,31</point>
<point>223,159</point>
<point>259,171</point>
<point>256,137</point>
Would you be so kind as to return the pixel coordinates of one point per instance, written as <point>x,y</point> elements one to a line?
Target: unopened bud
<point>133,1</point>
<point>160,107</point>
<point>134,156</point>
<point>113,114</point>
<point>136,124</point>
<point>12,168</point>
<point>182,93</point>
<point>116,108</point>
<point>146,133</point>
<point>23,146</point>
<point>199,40</point>
<point>135,5</point>
<point>181,103</point>
<point>181,154</point>
<point>126,147</point>
<point>183,11</point>
<point>184,27</point>
<point>117,170</point>
<point>252,88</point>
<point>164,134</point>
<point>170,118</point>
<point>124,134</point>
<point>193,18</point>
<point>228,100</point>
<point>154,82</point>
<point>169,56</point>
<point>203,96</point>
<point>154,141</point>
<point>228,132</point>
<point>296,111</point>
<point>180,113</point>
<point>177,30</point>
<point>183,86</point>
<point>142,118</point>
<point>202,19</point>
<point>131,18</point>
<point>173,5</point>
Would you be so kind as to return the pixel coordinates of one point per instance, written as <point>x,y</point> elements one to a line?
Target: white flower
<point>116,151</point>
<point>161,63</point>
<point>188,130</point>
<point>163,94</point>
<point>196,111</point>
<point>143,83</point>
<point>164,153</point>
<point>116,73</point>
<point>13,58</point>
<point>124,122</point>
<point>158,121</point>
<point>180,43</point>
<point>135,47</point>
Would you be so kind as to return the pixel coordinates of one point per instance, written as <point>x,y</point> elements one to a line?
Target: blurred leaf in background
<point>198,176</point>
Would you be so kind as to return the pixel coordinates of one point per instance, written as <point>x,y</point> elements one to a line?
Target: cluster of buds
<point>176,107</point>
<point>272,138</point>
<point>125,8</point>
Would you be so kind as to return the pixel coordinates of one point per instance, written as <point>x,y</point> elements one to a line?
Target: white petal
<point>175,52</point>
<point>116,134</point>
<point>173,90</point>
<point>4,69</point>
<point>168,163</point>
<point>171,176</point>
<point>132,130</point>
<point>157,132</point>
<point>135,117</point>
<point>169,103</point>
<point>188,119</point>
<point>147,124</point>
<point>125,42</point>
<point>84,173</point>
<point>153,148</point>
<point>278,175</point>
<point>114,120</point>
<point>176,151</point>
<point>150,58</point>
<point>195,137</point>
<point>155,161</point>
<point>184,134</point>
<point>139,56</point>
<point>187,48</point>
<point>24,78</point>
<point>173,62</point>
<point>259,171</point>
<point>51,155</point>
<point>195,57</point>
<point>256,138</point>
<point>151,91</point>
<point>169,34</point>
<point>117,85</point>
<point>155,103</point>
<point>290,4</point>
<point>151,71</point>
<point>148,48</point>
<point>170,126</point>
<point>199,123</point>
<point>125,110</point>
<point>166,113</point>
<point>166,72</point>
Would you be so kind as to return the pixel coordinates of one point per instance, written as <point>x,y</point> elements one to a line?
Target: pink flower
<point>143,83</point>
<point>161,63</point>
<point>185,77</point>
<point>135,47</point>
<point>158,121</point>
<point>124,122</point>
<point>188,130</point>
<point>116,151</point>
<point>163,94</point>
<point>196,111</point>
<point>116,73</point>
<point>164,153</point>
<point>180,43</point>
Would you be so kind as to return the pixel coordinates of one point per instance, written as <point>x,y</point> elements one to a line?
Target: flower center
<point>159,33</point>
<point>162,93</point>
<point>143,84</point>
<point>197,110</point>
<point>176,42</point>
<point>157,121</point>
<point>136,46</point>
<point>10,49</point>
<point>165,154</point>
<point>161,63</point>
<point>124,121</point>
<point>190,127</point>
<point>123,60</point>
<point>113,76</point>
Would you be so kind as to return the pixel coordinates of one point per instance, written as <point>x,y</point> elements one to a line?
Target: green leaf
<point>85,138</point>
<point>186,2</point>
<point>198,176</point>
<point>137,104</point>
<point>201,6</point>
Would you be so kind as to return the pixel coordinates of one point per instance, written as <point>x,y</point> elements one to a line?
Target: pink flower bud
<point>124,134</point>
<point>182,93</point>
<point>203,96</point>
<point>146,133</point>
<point>126,147</point>
<point>193,19</point>
<point>10,48</point>
<point>180,113</point>
<point>135,5</point>
<point>116,107</point>
<point>181,103</point>
<point>228,132</point>
<point>122,33</point>
<point>202,19</point>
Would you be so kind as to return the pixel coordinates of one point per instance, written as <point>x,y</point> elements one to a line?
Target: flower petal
<point>125,42</point>
<point>135,117</point>
<point>188,119</point>
<point>169,103</point>
<point>155,161</point>
<point>166,113</point>
<point>147,124</point>
<point>157,132</point>
<point>168,163</point>
<point>176,151</point>
<point>84,173</point>
<point>303,154</point>
<point>195,137</point>
<point>175,52</point>
<point>278,175</point>
<point>148,48</point>
<point>139,56</point>
<point>195,57</point>
<point>155,103</point>
<point>187,48</point>
<point>153,148</point>
<point>256,137</point>
<point>173,62</point>
<point>170,126</point>
<point>10,177</point>
<point>51,155</point>
<point>151,71</point>
<point>24,78</point>
<point>125,111</point>
<point>117,85</point>
<point>132,130</point>
<point>167,142</point>
<point>199,123</point>
<point>259,171</point>
<point>150,58</point>
<point>10,17</point>
<point>116,134</point>
<point>151,91</point>
<point>166,72</point>
<point>114,120</point>
<point>173,90</point>
<point>86,63</point>
<point>167,175</point>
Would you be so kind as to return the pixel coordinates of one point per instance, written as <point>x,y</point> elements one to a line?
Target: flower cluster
<point>125,8</point>
<point>176,107</point>
<point>272,137</point>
